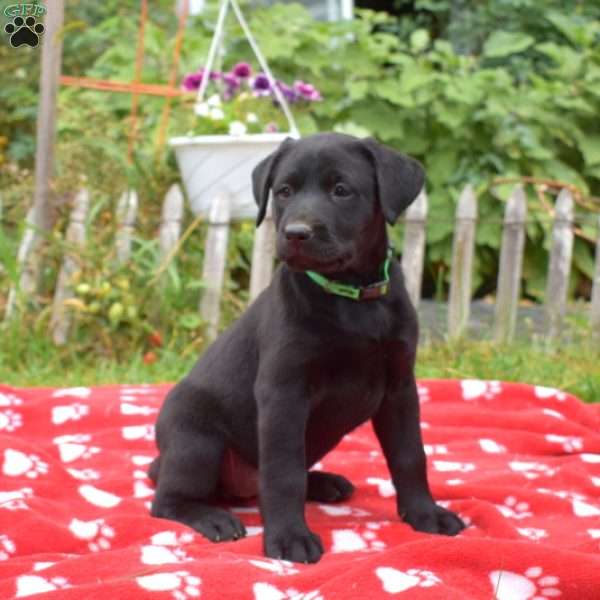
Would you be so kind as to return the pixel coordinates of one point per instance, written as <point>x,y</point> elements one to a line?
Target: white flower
<point>251,118</point>
<point>216,114</point>
<point>237,128</point>
<point>214,100</point>
<point>202,109</point>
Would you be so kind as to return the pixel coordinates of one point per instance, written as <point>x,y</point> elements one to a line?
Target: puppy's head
<point>332,194</point>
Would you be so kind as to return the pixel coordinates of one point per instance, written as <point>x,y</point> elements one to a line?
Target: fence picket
<point>126,214</point>
<point>215,256</point>
<point>413,250</point>
<point>170,224</point>
<point>511,262</point>
<point>60,321</point>
<point>560,264</point>
<point>462,263</point>
<point>263,255</point>
<point>595,305</point>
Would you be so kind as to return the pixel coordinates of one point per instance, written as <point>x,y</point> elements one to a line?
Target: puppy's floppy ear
<point>262,178</point>
<point>399,178</point>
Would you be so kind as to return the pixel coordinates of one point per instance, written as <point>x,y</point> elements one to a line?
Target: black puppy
<point>329,344</point>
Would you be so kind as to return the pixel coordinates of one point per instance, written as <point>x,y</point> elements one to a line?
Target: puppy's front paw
<point>431,518</point>
<point>298,544</point>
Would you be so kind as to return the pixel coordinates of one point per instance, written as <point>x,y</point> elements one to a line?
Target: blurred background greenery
<point>475,90</point>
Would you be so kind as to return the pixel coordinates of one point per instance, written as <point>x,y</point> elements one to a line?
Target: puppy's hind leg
<point>328,487</point>
<point>188,473</point>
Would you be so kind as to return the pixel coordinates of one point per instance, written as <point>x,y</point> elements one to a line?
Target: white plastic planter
<point>212,165</point>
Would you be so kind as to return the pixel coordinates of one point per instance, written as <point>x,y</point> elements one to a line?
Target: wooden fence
<point>413,255</point>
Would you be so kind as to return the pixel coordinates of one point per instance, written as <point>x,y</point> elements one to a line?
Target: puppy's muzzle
<point>298,232</point>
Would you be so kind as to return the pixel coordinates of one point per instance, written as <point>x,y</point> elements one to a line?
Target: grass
<point>35,361</point>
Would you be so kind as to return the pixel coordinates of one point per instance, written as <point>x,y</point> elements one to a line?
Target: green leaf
<point>590,148</point>
<point>505,43</point>
<point>419,40</point>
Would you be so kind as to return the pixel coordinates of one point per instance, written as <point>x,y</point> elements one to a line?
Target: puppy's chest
<point>349,376</point>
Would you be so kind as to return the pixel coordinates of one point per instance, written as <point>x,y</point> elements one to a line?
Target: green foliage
<point>473,90</point>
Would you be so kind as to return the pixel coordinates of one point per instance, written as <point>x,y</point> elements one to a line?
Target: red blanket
<point>520,464</point>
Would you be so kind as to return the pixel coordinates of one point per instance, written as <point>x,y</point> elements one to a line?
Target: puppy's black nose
<point>298,232</point>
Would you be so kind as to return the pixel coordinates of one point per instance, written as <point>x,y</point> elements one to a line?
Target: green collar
<point>366,292</point>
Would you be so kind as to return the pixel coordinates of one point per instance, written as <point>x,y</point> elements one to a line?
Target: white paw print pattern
<point>533,533</point>
<point>395,581</point>
<point>544,393</point>
<point>491,447</point>
<point>10,420</point>
<point>83,474</point>
<point>424,393</point>
<point>514,509</point>
<point>133,409</point>
<point>70,412</point>
<point>29,585</point>
<point>267,591</point>
<point>19,464</point>
<point>431,449</point>
<point>10,400</point>
<point>343,511</point>
<point>473,389</point>
<point>15,500</point>
<point>181,584</point>
<point>349,540</point>
<point>75,447</point>
<point>97,533</point>
<point>74,392</point>
<point>569,443</point>
<point>7,547</point>
<point>279,567</point>
<point>138,432</point>
<point>165,548</point>
<point>532,470</point>
<point>581,507</point>
<point>384,486</point>
<point>445,466</point>
<point>532,585</point>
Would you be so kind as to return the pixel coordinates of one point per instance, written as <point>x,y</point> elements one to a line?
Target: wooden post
<point>595,306</point>
<point>462,263</point>
<point>60,321</point>
<point>511,263</point>
<point>263,255</point>
<point>22,254</point>
<point>170,224</point>
<point>215,256</point>
<point>126,214</point>
<point>560,264</point>
<point>413,251</point>
<point>42,217</point>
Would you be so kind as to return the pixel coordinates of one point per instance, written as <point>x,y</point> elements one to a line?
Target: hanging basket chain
<point>219,28</point>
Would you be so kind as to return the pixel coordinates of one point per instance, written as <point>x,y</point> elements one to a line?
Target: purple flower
<point>191,82</point>
<point>242,70</point>
<point>288,92</point>
<point>261,85</point>
<point>307,91</point>
<point>231,81</point>
<point>271,127</point>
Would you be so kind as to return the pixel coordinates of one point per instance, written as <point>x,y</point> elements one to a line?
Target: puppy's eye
<point>341,190</point>
<point>285,191</point>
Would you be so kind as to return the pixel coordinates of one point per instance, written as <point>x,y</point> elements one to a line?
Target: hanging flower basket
<point>245,118</point>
